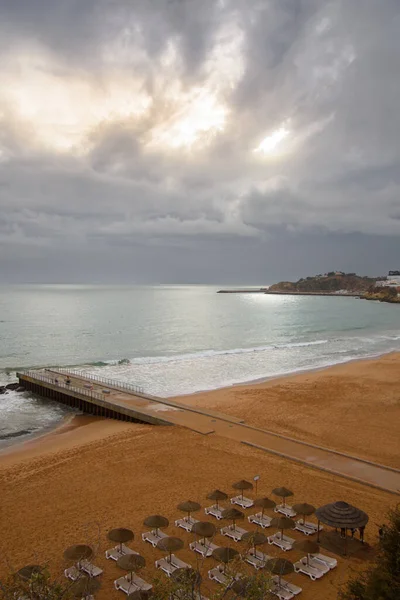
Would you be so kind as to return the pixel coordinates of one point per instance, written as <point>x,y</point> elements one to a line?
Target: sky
<point>179,141</point>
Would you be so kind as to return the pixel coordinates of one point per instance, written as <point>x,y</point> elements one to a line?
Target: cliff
<point>382,294</point>
<point>330,283</point>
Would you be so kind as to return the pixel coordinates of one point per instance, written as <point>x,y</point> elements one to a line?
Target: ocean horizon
<point>174,339</point>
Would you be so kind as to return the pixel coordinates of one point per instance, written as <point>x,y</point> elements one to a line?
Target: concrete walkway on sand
<point>209,422</point>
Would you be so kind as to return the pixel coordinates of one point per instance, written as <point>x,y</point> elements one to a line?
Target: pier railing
<point>61,384</point>
<point>105,380</point>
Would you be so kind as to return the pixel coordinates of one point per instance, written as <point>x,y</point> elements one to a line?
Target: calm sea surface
<point>175,339</point>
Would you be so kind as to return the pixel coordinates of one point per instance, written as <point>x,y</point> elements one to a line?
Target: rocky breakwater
<point>11,386</point>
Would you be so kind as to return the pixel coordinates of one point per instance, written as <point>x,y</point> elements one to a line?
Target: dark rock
<point>20,388</point>
<point>3,389</point>
<point>12,386</point>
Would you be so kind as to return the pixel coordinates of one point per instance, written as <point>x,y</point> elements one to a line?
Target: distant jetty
<point>244,291</point>
<point>343,294</point>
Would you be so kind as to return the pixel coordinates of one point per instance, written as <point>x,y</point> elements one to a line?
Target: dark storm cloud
<point>325,71</point>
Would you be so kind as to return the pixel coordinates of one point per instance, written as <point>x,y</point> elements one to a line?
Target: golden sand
<point>93,475</point>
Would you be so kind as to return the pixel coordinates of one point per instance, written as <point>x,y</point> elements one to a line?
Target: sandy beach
<point>91,475</point>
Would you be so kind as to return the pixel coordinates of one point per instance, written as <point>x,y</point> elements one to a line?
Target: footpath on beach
<point>207,422</point>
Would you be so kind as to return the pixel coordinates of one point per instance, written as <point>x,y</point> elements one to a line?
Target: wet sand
<point>91,475</point>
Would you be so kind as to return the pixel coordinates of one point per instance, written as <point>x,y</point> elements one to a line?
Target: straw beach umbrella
<point>120,535</point>
<point>283,523</point>
<point>217,496</point>
<point>307,546</point>
<point>170,544</point>
<point>279,566</point>
<point>84,587</point>
<point>156,522</point>
<point>304,509</point>
<point>131,562</point>
<point>283,493</point>
<point>264,503</point>
<point>225,555</point>
<point>26,573</point>
<point>232,514</point>
<point>241,586</point>
<point>242,485</point>
<point>189,507</point>
<point>78,552</point>
<point>255,538</point>
<point>204,529</point>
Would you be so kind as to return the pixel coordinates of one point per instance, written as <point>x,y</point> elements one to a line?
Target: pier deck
<point>118,400</point>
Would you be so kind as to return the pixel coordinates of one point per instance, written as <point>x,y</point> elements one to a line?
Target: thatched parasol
<point>233,514</point>
<point>307,546</point>
<point>187,575</point>
<point>170,544</point>
<point>279,566</point>
<point>241,586</point>
<point>217,495</point>
<point>131,562</point>
<point>225,555</point>
<point>140,595</point>
<point>189,507</point>
<point>255,538</point>
<point>78,552</point>
<point>264,503</point>
<point>242,485</point>
<point>283,523</point>
<point>156,522</point>
<point>83,587</point>
<point>283,493</point>
<point>27,572</point>
<point>120,535</point>
<point>341,515</point>
<point>304,509</point>
<point>204,529</point>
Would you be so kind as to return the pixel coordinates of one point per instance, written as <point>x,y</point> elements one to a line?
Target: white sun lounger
<point>282,593</point>
<point>325,560</point>
<point>214,511</point>
<point>130,584</point>
<point>260,519</point>
<point>217,574</point>
<point>169,566</point>
<point>73,573</point>
<point>285,542</point>
<point>302,567</point>
<point>204,549</point>
<point>286,585</point>
<point>153,537</point>
<point>235,533</point>
<point>117,552</point>
<point>243,502</point>
<point>257,560</point>
<point>307,527</point>
<point>286,510</point>
<point>90,569</point>
<point>186,523</point>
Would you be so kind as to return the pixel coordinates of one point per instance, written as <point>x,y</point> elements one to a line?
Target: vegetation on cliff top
<point>330,282</point>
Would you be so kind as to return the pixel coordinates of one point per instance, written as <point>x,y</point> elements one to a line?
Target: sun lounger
<point>261,520</point>
<point>169,566</point>
<point>90,569</point>
<point>286,510</point>
<point>204,549</point>
<point>117,552</point>
<point>214,511</point>
<point>217,574</point>
<point>286,585</point>
<point>73,573</point>
<point>307,527</point>
<point>282,593</point>
<point>285,542</point>
<point>186,523</point>
<point>301,566</point>
<point>235,533</point>
<point>325,560</point>
<point>130,584</point>
<point>257,560</point>
<point>153,537</point>
<point>243,502</point>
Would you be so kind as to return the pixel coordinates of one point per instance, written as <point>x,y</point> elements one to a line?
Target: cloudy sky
<point>198,141</point>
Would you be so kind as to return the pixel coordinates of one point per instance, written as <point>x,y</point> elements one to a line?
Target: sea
<point>174,340</point>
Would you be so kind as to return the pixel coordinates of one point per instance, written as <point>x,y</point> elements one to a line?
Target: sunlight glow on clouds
<point>270,143</point>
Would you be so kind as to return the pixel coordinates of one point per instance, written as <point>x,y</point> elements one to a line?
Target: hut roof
<point>342,515</point>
